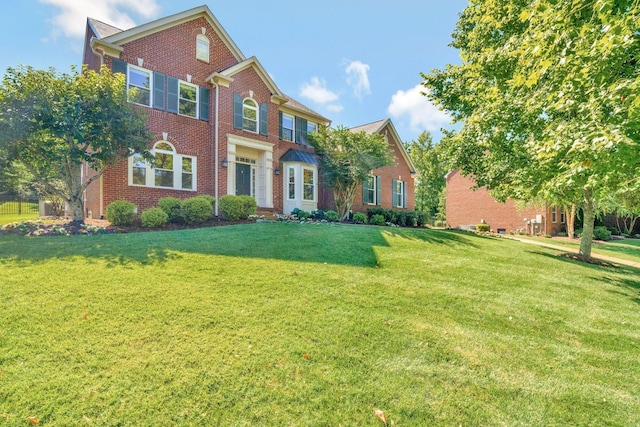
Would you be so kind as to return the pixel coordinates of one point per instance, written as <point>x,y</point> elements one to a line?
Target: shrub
<point>359,218</point>
<point>154,217</point>
<point>196,210</point>
<point>483,228</point>
<point>601,233</point>
<point>411,218</point>
<point>377,220</point>
<point>562,234</point>
<point>121,212</point>
<point>440,223</point>
<point>234,208</point>
<point>421,219</point>
<point>317,215</point>
<point>386,213</point>
<point>301,214</point>
<point>173,208</point>
<point>398,218</point>
<point>211,200</point>
<point>332,216</point>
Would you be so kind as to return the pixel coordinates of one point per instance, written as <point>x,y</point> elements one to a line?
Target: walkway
<point>575,251</point>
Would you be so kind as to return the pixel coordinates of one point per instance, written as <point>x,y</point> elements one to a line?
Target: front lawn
<point>628,249</point>
<point>289,324</point>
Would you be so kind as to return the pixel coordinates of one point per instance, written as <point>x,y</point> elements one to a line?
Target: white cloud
<point>413,106</point>
<point>316,90</point>
<point>358,78</point>
<point>72,16</point>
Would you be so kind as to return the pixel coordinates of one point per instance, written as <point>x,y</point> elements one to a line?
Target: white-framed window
<point>371,190</point>
<point>287,127</point>
<point>250,115</point>
<point>188,99</point>
<point>312,127</point>
<point>172,170</point>
<point>139,85</point>
<point>399,189</point>
<point>309,184</point>
<point>554,214</point>
<point>562,218</point>
<point>202,48</point>
<point>291,183</point>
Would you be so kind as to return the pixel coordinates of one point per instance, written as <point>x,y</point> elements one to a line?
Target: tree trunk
<point>588,210</point>
<point>570,217</point>
<point>75,188</point>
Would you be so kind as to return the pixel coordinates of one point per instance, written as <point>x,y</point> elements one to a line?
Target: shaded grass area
<point>628,249</point>
<point>283,324</point>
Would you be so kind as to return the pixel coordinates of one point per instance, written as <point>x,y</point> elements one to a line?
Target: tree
<point>346,159</point>
<point>53,123</point>
<point>548,96</point>
<point>431,168</point>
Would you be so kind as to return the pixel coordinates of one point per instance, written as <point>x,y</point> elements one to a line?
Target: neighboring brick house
<point>466,207</point>
<point>222,125</point>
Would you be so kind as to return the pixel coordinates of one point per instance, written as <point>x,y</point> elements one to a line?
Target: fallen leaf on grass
<point>306,355</point>
<point>33,420</point>
<point>381,416</point>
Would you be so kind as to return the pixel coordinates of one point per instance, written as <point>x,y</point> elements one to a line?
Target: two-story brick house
<point>222,125</point>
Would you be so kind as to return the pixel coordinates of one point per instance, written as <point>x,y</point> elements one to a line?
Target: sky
<point>353,61</point>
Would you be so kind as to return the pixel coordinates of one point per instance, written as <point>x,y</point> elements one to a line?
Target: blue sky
<point>353,61</point>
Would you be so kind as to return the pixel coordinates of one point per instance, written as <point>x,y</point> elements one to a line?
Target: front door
<point>243,179</point>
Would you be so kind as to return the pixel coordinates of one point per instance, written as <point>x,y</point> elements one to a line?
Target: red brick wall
<point>468,207</point>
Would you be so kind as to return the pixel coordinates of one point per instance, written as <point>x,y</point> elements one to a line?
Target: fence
<point>11,204</point>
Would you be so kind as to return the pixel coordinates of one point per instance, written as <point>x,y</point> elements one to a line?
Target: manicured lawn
<point>289,324</point>
<point>28,211</point>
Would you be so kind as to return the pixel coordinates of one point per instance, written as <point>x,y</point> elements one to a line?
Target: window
<point>139,86</point>
<point>554,214</point>
<point>250,115</point>
<point>312,127</point>
<point>188,100</point>
<point>287,127</point>
<point>202,48</point>
<point>371,190</point>
<point>562,218</point>
<point>292,182</point>
<point>399,194</point>
<point>172,170</point>
<point>309,188</point>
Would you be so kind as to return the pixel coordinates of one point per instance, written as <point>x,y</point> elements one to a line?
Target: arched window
<point>172,170</point>
<point>250,115</point>
<point>202,48</point>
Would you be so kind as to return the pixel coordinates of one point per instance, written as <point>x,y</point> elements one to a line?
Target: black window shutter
<point>394,193</point>
<point>264,119</point>
<point>119,66</point>
<point>237,111</point>
<point>299,132</point>
<point>378,190</point>
<point>280,124</point>
<point>158,90</point>
<point>204,103</point>
<point>172,94</point>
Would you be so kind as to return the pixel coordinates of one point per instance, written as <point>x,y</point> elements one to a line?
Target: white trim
<point>257,109</point>
<point>293,127</point>
<point>264,167</point>
<point>176,170</point>
<point>202,54</point>
<point>150,88</point>
<point>197,100</point>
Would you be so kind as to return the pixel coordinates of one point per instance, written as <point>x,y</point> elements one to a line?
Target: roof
<point>101,29</point>
<point>294,155</point>
<point>377,127</point>
<point>122,37</point>
<point>298,106</point>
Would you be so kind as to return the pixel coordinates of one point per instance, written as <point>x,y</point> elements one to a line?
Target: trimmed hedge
<point>173,208</point>
<point>235,208</point>
<point>359,218</point>
<point>484,228</point>
<point>377,220</point>
<point>400,218</point>
<point>196,210</point>
<point>121,212</point>
<point>332,216</point>
<point>154,217</point>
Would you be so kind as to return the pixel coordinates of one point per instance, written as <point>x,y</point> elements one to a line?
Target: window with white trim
<point>312,127</point>
<point>202,48</point>
<point>250,115</point>
<point>562,217</point>
<point>399,194</point>
<point>188,99</point>
<point>554,214</point>
<point>291,175</point>
<point>139,85</point>
<point>287,127</point>
<point>172,170</point>
<point>309,184</point>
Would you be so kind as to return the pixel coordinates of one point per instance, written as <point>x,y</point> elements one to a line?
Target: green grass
<point>29,211</point>
<point>289,324</point>
<point>628,249</point>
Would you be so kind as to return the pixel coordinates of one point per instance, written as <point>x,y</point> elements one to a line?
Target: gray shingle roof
<point>103,30</point>
<point>370,127</point>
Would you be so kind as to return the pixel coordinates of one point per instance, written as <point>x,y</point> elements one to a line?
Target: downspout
<point>216,155</point>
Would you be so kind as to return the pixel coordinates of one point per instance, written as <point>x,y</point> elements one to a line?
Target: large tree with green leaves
<point>431,167</point>
<point>53,123</point>
<point>547,92</point>
<point>346,160</point>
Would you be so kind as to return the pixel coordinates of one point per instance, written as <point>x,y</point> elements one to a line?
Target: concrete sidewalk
<point>575,251</point>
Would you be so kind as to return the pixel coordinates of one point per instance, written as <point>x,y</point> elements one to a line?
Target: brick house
<point>467,207</point>
<point>222,125</point>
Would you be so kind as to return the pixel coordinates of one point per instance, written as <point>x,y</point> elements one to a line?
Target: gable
<point>385,127</point>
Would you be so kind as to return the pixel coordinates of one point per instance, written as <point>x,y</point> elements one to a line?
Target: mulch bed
<point>582,258</point>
